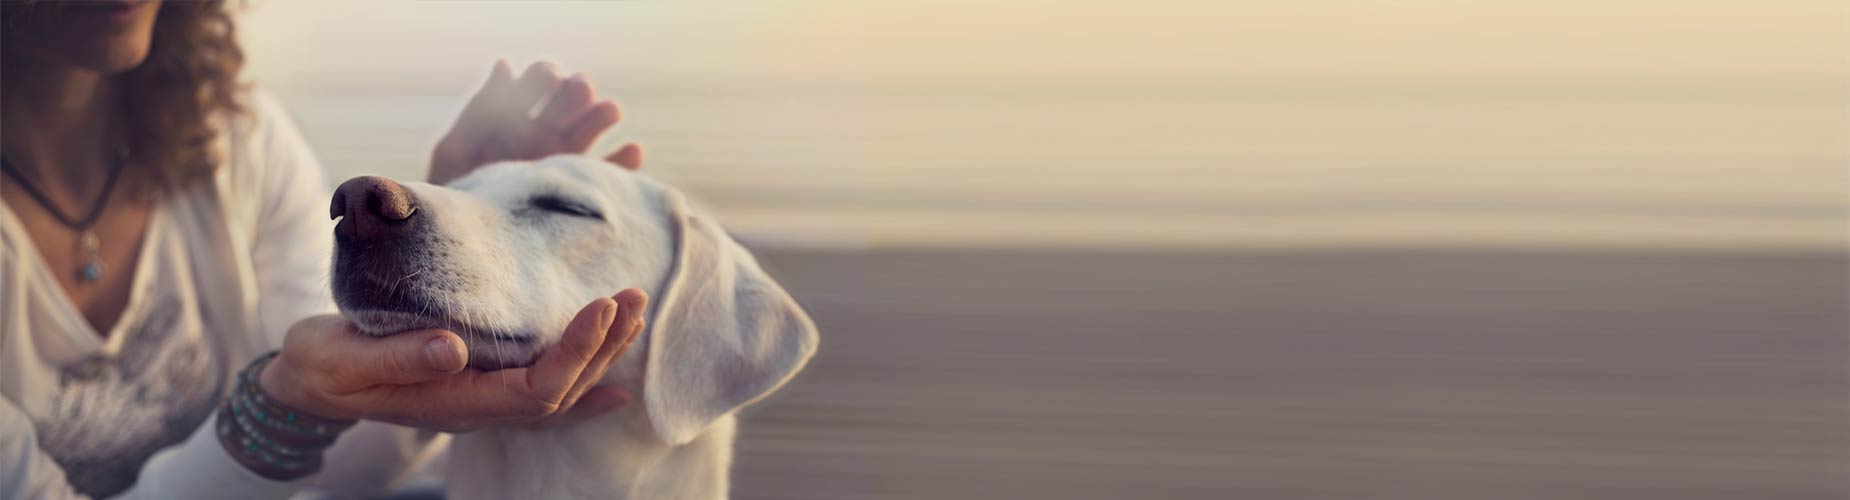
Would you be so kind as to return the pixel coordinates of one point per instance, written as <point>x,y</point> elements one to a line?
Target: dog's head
<point>507,255</point>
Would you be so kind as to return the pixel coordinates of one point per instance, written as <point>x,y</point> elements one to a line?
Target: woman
<point>163,227</point>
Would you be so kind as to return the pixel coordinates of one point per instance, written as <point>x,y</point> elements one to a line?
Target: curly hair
<point>175,103</point>
<point>190,80</point>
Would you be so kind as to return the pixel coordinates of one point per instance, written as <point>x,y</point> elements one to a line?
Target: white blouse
<point>224,269</point>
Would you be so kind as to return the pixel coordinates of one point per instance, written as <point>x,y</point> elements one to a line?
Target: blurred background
<point>1245,249</point>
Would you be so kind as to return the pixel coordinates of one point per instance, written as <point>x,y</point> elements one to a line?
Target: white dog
<point>506,256</point>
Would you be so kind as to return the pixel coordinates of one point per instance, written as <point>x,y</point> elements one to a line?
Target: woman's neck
<point>57,122</point>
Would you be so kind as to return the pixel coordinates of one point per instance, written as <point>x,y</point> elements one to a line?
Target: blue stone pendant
<point>93,271</point>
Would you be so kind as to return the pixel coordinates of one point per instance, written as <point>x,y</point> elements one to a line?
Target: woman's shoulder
<point>263,132</point>
<point>265,152</point>
<point>265,165</point>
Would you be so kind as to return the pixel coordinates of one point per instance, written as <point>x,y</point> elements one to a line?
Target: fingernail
<point>608,316</point>
<point>441,355</point>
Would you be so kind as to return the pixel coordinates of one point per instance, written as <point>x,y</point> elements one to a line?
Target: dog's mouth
<point>488,349</point>
<point>382,322</point>
<point>382,311</point>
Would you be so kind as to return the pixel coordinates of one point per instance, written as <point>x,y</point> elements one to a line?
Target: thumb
<point>413,357</point>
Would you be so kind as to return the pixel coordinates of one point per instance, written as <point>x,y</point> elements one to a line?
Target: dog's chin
<point>487,350</point>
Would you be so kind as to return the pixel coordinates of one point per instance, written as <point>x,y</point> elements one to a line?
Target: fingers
<point>568,103</point>
<point>571,119</point>
<point>628,325</point>
<point>591,124</point>
<point>564,378</point>
<point>463,147</point>
<point>540,80</point>
<point>597,401</point>
<point>463,401</point>
<point>501,121</point>
<point>602,399</point>
<point>474,397</point>
<point>483,106</point>
<point>629,156</point>
<point>551,377</point>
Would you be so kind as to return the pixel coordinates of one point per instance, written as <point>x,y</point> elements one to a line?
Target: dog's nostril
<point>370,206</point>
<point>389,204</point>
<point>339,206</point>
<point>388,200</point>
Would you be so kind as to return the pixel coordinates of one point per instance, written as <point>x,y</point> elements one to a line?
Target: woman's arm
<point>197,468</point>
<point>25,470</point>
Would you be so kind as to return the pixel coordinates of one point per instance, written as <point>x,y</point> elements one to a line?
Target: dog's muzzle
<point>379,241</point>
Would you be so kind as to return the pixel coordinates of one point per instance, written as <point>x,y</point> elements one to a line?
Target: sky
<point>1718,124</point>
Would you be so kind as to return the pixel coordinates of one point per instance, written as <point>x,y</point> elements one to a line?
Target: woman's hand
<point>500,122</point>
<point>417,379</point>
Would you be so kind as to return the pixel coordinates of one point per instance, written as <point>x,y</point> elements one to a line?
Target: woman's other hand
<point>540,114</point>
<point>418,379</point>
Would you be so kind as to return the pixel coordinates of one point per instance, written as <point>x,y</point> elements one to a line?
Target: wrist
<point>278,381</point>
<point>268,437</point>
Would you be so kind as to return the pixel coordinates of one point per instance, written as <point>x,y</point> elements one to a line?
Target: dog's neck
<point>615,456</point>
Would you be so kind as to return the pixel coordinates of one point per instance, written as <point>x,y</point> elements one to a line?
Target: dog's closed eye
<point>558,204</point>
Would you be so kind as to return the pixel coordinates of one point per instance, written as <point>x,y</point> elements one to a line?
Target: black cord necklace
<point>92,270</point>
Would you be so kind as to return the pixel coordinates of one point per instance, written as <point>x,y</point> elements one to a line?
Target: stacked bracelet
<point>269,438</point>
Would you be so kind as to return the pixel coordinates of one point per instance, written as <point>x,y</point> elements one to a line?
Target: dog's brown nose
<point>370,207</point>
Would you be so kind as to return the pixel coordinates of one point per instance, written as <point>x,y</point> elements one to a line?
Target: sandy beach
<point>1325,374</point>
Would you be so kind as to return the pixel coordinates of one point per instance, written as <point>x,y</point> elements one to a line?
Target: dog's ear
<point>724,334</point>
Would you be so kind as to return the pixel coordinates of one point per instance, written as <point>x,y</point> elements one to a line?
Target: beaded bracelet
<point>268,437</point>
